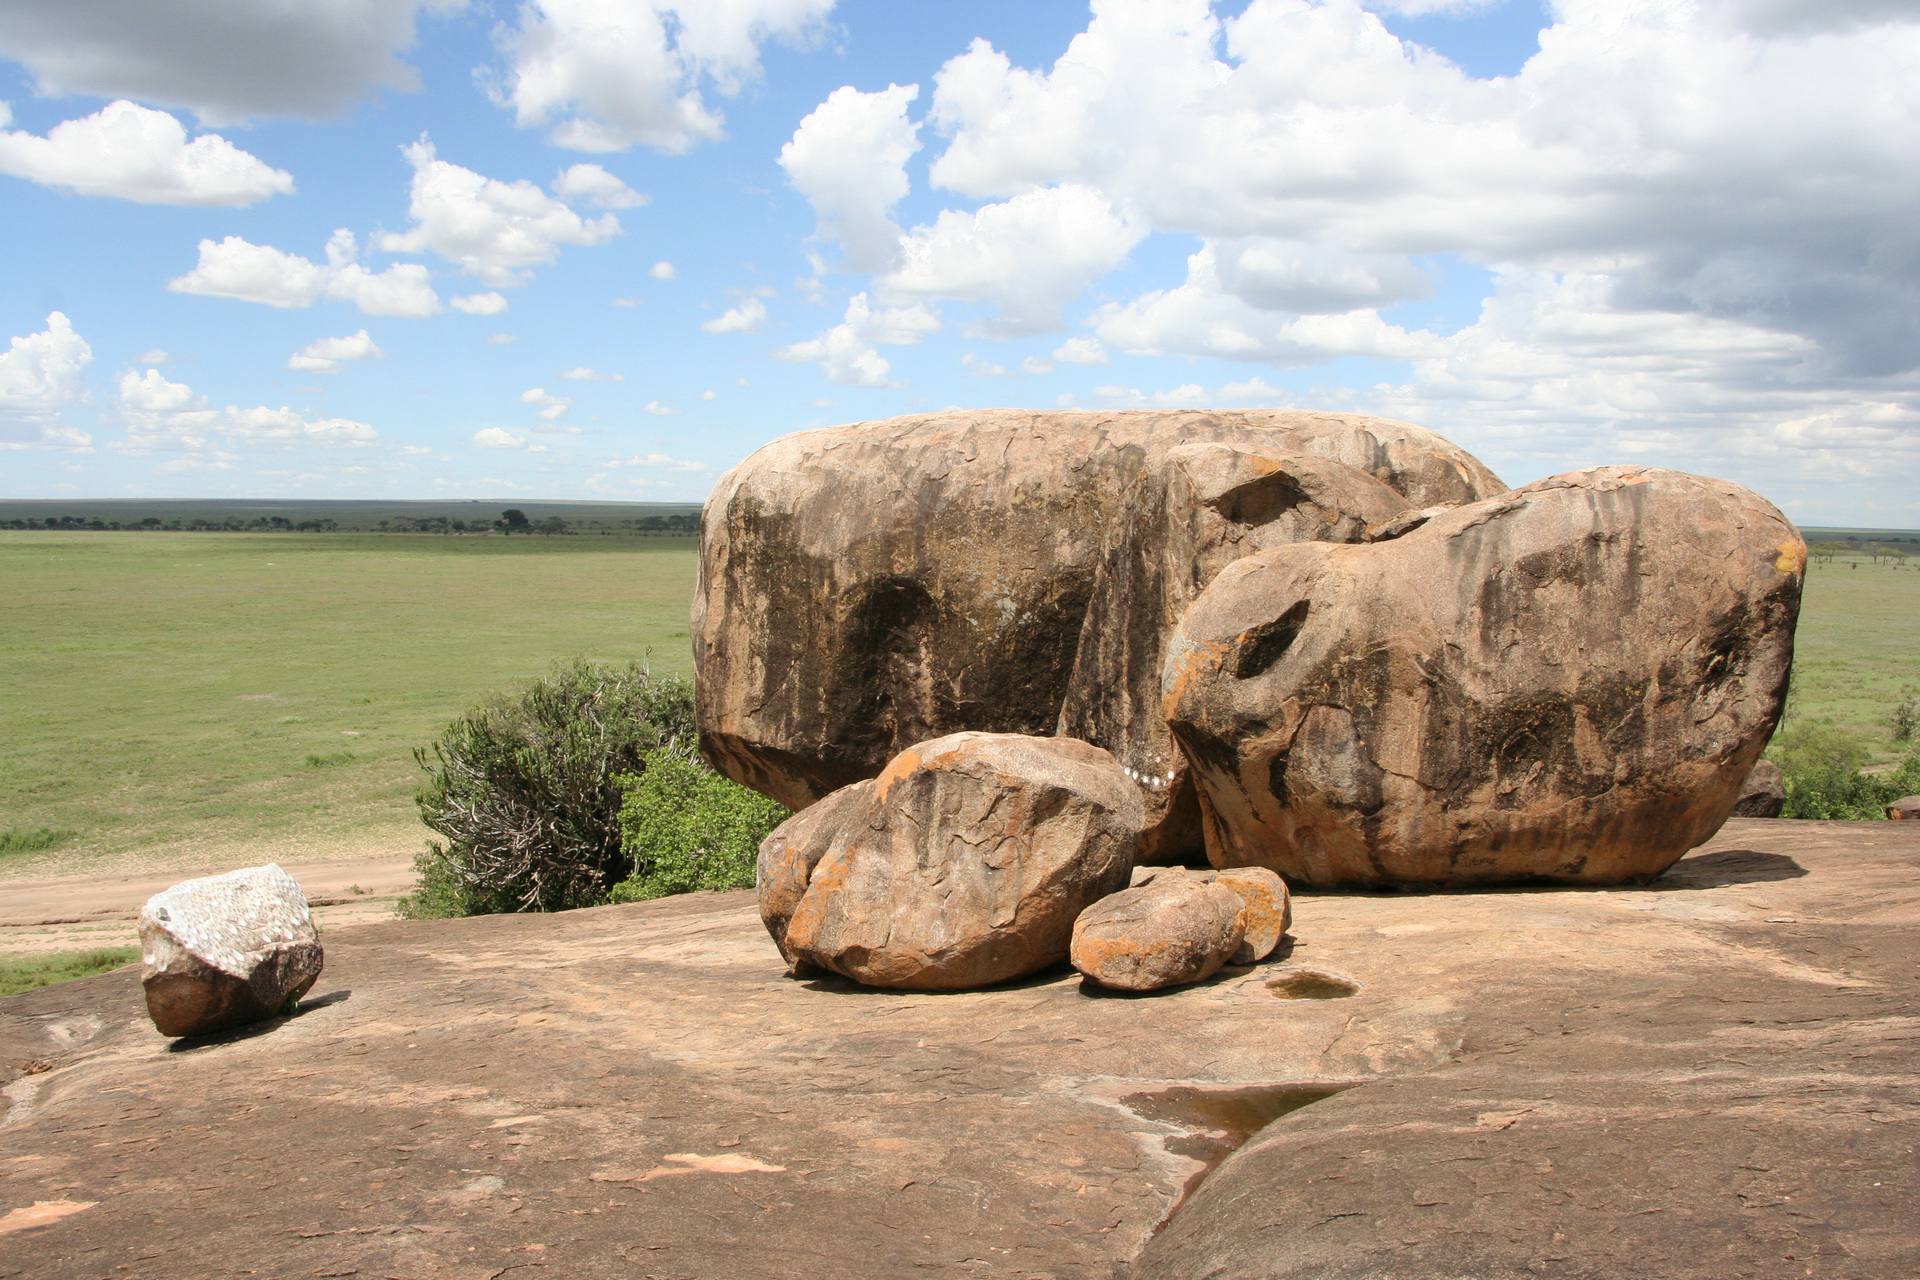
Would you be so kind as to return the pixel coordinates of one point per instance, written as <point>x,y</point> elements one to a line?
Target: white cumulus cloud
<point>847,353</point>
<point>748,317</point>
<point>164,415</point>
<point>548,405</point>
<point>662,270</point>
<point>480,304</point>
<point>849,159</point>
<point>239,269</point>
<point>593,185</point>
<point>1029,256</point>
<point>42,374</point>
<point>129,152</point>
<point>582,373</point>
<point>329,355</point>
<point>605,75</point>
<point>497,231</point>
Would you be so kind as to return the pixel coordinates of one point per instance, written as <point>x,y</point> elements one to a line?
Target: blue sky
<point>606,248</point>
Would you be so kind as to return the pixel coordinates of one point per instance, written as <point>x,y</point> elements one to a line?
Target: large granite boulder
<point>868,587</point>
<point>1169,931</point>
<point>963,864</point>
<point>1568,682</point>
<point>226,950</point>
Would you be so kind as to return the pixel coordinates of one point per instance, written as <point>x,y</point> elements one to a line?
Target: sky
<point>606,248</point>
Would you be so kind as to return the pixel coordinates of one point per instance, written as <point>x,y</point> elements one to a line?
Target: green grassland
<point>164,693</point>
<point>1857,650</point>
<point>179,696</point>
<point>24,973</point>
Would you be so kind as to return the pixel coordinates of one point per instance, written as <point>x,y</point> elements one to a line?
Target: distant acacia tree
<point>514,520</point>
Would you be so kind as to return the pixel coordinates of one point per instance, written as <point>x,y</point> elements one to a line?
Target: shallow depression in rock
<point>1312,984</point>
<point>1220,1120</point>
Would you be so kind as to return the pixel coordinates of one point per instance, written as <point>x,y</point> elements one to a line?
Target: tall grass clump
<point>525,790</point>
<point>32,840</point>
<point>688,828</point>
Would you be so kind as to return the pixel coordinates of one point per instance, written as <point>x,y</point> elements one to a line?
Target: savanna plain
<point>183,702</point>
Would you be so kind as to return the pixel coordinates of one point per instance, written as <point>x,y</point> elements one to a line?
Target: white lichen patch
<point>225,921</point>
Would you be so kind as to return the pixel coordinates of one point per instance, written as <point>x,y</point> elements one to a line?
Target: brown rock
<point>963,864</point>
<point>867,587</point>
<point>1263,895</point>
<point>791,851</point>
<point>1905,809</point>
<point>1569,682</point>
<point>1200,508</point>
<point>1763,794</point>
<point>1266,911</point>
<point>226,950</point>
<point>1173,930</point>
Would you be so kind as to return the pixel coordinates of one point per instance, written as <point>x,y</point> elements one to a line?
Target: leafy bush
<point>526,790</point>
<point>1821,766</point>
<point>687,828</point>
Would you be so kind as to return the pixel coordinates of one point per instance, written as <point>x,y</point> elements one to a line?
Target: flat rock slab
<point>1716,1076</point>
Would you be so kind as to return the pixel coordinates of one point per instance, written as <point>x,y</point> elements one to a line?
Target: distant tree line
<point>674,523</point>
<point>1888,549</point>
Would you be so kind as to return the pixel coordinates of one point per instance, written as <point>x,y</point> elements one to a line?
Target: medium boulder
<point>868,587</point>
<point>1266,911</point>
<point>1172,930</point>
<point>1763,794</point>
<point>1905,809</point>
<point>226,950</point>
<point>1568,682</point>
<point>963,864</point>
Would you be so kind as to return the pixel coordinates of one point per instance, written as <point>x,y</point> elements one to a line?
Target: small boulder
<point>1172,930</point>
<point>1267,911</point>
<point>965,863</point>
<point>226,950</point>
<point>1905,809</point>
<point>1763,794</point>
<point>1262,893</point>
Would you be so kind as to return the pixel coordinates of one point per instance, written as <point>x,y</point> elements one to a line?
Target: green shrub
<point>687,828</point>
<point>526,790</point>
<point>1821,766</point>
<point>1905,718</point>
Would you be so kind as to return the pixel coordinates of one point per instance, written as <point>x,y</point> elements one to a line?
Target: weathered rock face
<point>963,864</point>
<point>1568,682</point>
<point>868,587</point>
<point>1171,930</point>
<point>1905,809</point>
<point>1197,510</point>
<point>1763,794</point>
<point>226,950</point>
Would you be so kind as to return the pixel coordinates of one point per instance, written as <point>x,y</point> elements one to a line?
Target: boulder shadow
<point>233,1035</point>
<point>1727,867</point>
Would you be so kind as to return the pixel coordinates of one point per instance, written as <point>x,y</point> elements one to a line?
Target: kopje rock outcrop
<point>222,951</point>
<point>1329,646</point>
<point>868,587</point>
<point>965,863</point>
<point>1568,682</point>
